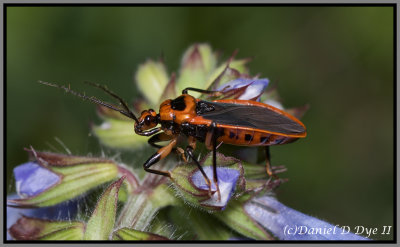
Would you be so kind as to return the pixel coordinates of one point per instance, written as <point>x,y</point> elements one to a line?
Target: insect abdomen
<point>245,137</point>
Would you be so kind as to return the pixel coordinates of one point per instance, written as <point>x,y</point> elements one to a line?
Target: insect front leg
<point>159,155</point>
<point>160,137</point>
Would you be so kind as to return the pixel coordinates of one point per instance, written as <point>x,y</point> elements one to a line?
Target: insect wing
<point>257,116</point>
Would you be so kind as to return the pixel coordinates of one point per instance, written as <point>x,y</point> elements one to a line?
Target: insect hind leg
<point>271,170</point>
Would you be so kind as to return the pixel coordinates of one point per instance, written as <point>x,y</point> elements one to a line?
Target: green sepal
<point>170,91</point>
<point>163,196</point>
<point>77,176</point>
<point>235,217</point>
<point>198,62</point>
<point>62,160</point>
<point>131,234</point>
<point>256,176</point>
<point>151,79</point>
<point>198,224</point>
<point>123,192</point>
<point>164,225</point>
<point>101,223</point>
<point>27,228</point>
<point>140,208</point>
<point>117,133</point>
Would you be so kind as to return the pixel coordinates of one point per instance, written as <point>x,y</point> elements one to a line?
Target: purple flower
<point>32,179</point>
<point>63,211</point>
<point>288,224</point>
<point>244,89</point>
<point>274,103</point>
<point>227,179</point>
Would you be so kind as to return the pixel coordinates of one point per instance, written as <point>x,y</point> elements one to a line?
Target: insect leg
<point>159,155</point>
<point>149,132</point>
<point>189,151</point>
<point>268,166</point>
<point>213,93</point>
<point>214,147</point>
<point>160,137</point>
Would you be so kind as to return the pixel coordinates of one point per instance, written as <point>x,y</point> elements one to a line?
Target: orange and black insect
<point>230,121</point>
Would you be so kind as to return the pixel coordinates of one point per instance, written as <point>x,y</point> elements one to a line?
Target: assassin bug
<point>229,121</point>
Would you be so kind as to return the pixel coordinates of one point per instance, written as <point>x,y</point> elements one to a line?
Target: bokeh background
<point>337,59</point>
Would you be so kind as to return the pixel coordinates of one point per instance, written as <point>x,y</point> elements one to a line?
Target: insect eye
<point>147,120</point>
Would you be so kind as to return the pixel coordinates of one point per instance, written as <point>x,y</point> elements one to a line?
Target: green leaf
<point>131,234</point>
<point>151,79</point>
<point>117,133</point>
<point>27,228</point>
<point>101,223</point>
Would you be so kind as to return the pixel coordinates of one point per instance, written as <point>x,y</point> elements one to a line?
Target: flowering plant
<point>143,206</point>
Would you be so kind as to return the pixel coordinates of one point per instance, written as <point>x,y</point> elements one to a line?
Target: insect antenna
<point>93,99</point>
<point>123,103</point>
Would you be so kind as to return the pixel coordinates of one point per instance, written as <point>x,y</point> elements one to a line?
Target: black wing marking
<point>248,116</point>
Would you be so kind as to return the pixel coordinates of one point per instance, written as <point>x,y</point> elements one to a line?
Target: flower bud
<point>192,185</point>
<point>32,179</point>
<point>118,133</point>
<point>62,177</point>
<point>27,228</point>
<point>151,79</point>
<point>197,64</point>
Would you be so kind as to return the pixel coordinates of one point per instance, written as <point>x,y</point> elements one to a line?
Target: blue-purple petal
<point>255,87</point>
<point>32,179</point>
<point>227,179</point>
<point>274,103</point>
<point>288,224</point>
<point>63,211</point>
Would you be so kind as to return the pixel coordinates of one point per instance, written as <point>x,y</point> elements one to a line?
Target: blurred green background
<point>337,59</point>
